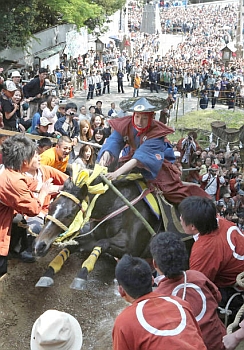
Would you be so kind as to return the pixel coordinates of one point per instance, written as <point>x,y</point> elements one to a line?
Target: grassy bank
<point>201,120</point>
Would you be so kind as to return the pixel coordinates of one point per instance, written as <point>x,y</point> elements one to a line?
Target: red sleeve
<point>18,196</point>
<point>58,176</point>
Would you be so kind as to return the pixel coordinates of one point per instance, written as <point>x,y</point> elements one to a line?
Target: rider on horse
<point>147,148</point>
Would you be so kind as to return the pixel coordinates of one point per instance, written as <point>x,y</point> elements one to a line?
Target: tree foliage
<point>21,19</point>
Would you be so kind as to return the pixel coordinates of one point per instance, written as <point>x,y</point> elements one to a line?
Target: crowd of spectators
<point>218,171</point>
<point>194,66</point>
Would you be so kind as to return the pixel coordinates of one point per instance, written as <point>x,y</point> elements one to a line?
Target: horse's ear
<point>68,183</point>
<point>69,170</point>
<point>84,190</point>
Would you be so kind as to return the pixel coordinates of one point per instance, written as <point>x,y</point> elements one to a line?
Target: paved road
<point>114,96</point>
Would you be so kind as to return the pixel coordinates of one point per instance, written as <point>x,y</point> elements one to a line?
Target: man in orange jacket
<point>16,196</point>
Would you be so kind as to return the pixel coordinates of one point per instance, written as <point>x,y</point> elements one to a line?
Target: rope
<point>225,310</point>
<point>240,279</point>
<point>185,282</point>
<point>27,227</point>
<point>70,196</point>
<point>236,322</point>
<point>57,222</point>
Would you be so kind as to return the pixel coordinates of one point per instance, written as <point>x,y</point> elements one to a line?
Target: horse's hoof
<point>78,284</point>
<point>45,282</point>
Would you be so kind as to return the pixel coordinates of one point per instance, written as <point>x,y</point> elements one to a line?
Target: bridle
<point>58,222</point>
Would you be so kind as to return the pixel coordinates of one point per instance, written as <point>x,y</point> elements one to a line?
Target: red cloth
<point>220,254</point>
<point>209,322</point>
<point>233,190</point>
<point>173,189</point>
<point>167,180</point>
<point>132,327</point>
<point>124,127</point>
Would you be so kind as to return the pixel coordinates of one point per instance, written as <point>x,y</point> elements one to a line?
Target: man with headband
<point>144,144</point>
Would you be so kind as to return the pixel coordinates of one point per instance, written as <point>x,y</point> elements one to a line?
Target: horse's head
<point>61,214</point>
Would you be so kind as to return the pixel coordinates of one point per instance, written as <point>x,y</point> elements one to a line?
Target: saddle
<point>162,208</point>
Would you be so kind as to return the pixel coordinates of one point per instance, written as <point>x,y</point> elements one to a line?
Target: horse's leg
<point>79,282</point>
<point>116,246</point>
<point>55,266</point>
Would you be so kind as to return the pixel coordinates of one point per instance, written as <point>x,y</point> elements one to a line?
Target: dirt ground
<point>21,302</point>
<point>96,308</point>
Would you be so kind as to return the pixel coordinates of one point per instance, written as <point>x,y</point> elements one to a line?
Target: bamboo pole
<point>33,137</point>
<point>135,211</point>
<point>96,145</point>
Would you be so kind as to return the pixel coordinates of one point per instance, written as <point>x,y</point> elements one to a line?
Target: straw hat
<point>142,104</point>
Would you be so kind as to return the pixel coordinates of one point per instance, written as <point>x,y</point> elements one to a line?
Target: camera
<point>72,113</point>
<point>189,138</point>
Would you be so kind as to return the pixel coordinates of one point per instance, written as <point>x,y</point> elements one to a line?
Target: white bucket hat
<point>56,330</point>
<point>15,73</point>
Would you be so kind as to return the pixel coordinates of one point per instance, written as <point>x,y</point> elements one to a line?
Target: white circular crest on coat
<point>159,332</point>
<point>199,291</point>
<point>232,246</point>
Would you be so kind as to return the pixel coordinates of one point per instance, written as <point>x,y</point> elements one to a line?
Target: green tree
<point>21,19</point>
<point>17,18</point>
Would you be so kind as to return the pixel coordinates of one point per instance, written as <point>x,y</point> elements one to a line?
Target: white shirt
<point>212,183</point>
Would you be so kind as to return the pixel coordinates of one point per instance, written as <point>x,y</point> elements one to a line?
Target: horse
<point>114,230</point>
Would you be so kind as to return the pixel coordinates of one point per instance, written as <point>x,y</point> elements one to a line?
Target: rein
<point>143,194</point>
<point>117,212</point>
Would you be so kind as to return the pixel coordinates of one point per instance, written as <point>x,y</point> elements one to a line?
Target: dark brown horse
<point>123,233</point>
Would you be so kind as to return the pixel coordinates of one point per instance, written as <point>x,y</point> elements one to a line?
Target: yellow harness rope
<point>81,178</point>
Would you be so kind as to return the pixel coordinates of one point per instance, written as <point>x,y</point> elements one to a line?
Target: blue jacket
<point>71,132</point>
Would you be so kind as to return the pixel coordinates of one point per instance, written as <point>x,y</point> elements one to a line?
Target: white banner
<point>76,43</point>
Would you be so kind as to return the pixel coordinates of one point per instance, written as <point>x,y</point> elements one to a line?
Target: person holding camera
<point>68,125</point>
<point>187,147</point>
<point>212,181</point>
